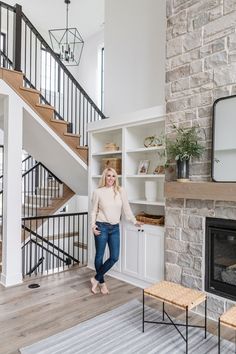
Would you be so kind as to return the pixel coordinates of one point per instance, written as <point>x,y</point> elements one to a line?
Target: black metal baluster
<point>42,267</point>
<point>30,66</point>
<point>23,251</point>
<point>87,231</point>
<point>76,114</point>
<point>83,121</point>
<point>71,110</point>
<point>46,84</point>
<point>25,61</point>
<point>64,96</point>
<point>67,100</point>
<point>7,35</point>
<point>58,239</point>
<point>69,235</point>
<point>48,238</point>
<point>31,252</point>
<point>80,102</point>
<point>59,88</point>
<point>50,79</point>
<point>63,241</point>
<point>55,86</point>
<point>53,241</point>
<point>82,217</point>
<point>74,238</point>
<point>35,62</point>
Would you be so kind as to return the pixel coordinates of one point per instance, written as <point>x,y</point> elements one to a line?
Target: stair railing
<point>53,243</point>
<point>39,187</point>
<point>44,71</point>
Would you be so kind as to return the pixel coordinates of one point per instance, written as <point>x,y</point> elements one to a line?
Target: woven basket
<point>112,162</point>
<point>151,219</point>
<point>111,147</point>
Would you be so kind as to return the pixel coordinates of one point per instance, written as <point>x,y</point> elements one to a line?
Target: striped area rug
<point>120,332</point>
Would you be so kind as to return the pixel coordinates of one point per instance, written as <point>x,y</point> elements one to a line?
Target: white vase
<point>151,191</point>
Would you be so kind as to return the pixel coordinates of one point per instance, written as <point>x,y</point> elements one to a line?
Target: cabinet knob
<point>142,230</point>
<point>139,230</point>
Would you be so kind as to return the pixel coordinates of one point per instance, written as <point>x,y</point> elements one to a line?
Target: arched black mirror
<point>224,140</point>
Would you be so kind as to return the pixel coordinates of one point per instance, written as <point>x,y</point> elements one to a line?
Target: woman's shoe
<point>103,289</point>
<point>94,284</point>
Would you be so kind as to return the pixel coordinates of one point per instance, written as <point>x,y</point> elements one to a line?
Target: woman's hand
<point>139,223</point>
<point>95,230</point>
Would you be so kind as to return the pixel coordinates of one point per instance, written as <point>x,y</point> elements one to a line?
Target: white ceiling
<point>86,15</point>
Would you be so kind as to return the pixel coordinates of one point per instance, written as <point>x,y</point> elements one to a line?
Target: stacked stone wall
<point>200,67</point>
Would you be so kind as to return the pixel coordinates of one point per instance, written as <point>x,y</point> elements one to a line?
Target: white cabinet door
<point>153,254</point>
<point>143,252</point>
<point>131,251</point>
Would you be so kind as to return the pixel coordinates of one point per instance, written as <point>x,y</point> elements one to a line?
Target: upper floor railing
<point>24,49</point>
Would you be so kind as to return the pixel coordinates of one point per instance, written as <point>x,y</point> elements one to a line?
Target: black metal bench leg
<point>143,310</point>
<point>163,311</point>
<point>219,336</point>
<point>187,330</point>
<point>205,318</point>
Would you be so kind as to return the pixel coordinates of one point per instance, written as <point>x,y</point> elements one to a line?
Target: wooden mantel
<point>201,190</point>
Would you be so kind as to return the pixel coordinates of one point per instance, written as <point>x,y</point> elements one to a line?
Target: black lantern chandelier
<point>67,42</point>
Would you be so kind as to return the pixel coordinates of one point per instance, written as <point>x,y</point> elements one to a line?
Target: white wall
<point>88,72</point>
<point>134,55</point>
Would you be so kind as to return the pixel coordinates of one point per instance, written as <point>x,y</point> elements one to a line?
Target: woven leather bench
<point>228,319</point>
<point>179,296</point>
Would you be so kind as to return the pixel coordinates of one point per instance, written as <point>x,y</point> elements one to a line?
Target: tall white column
<point>12,181</point>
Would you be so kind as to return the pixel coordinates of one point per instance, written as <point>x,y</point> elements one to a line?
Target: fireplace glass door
<point>221,257</point>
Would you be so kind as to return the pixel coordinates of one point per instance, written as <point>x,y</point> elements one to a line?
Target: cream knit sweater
<point>107,207</point>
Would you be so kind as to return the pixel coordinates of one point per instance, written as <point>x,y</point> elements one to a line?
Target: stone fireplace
<point>185,245</point>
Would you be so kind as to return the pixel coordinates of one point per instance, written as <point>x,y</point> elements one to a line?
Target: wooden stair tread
<point>72,135</point>
<point>80,245</point>
<point>29,89</point>
<point>12,71</point>
<point>59,121</point>
<point>47,106</point>
<point>82,147</point>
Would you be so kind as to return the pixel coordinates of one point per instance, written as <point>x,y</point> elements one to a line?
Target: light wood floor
<point>62,301</point>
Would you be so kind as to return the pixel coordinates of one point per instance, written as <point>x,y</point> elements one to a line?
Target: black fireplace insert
<point>220,257</point>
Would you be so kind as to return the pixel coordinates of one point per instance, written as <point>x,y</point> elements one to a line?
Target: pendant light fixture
<point>67,42</point>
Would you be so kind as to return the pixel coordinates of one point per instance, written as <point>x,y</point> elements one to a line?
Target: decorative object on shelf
<point>182,148</point>
<point>151,191</point>
<point>150,219</point>
<point>67,42</point>
<point>151,141</point>
<point>143,167</point>
<point>111,147</point>
<point>112,162</point>
<point>159,170</point>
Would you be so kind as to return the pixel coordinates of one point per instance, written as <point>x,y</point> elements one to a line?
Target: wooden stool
<point>180,297</point>
<point>228,319</point>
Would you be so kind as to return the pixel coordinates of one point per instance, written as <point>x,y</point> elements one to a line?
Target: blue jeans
<point>110,234</point>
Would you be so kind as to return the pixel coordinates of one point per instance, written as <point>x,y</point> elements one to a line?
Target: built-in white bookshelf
<point>129,140</point>
<point>136,267</point>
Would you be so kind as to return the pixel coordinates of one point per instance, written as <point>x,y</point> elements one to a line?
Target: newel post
<point>17,37</point>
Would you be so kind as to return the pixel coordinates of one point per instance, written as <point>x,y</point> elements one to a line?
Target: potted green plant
<point>182,148</point>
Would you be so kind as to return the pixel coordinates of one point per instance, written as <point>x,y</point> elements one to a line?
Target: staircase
<point>46,112</point>
<point>63,109</point>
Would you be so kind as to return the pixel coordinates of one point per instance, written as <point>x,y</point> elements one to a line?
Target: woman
<point>108,201</point>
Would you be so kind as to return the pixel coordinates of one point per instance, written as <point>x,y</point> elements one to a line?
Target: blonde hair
<point>102,182</point>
